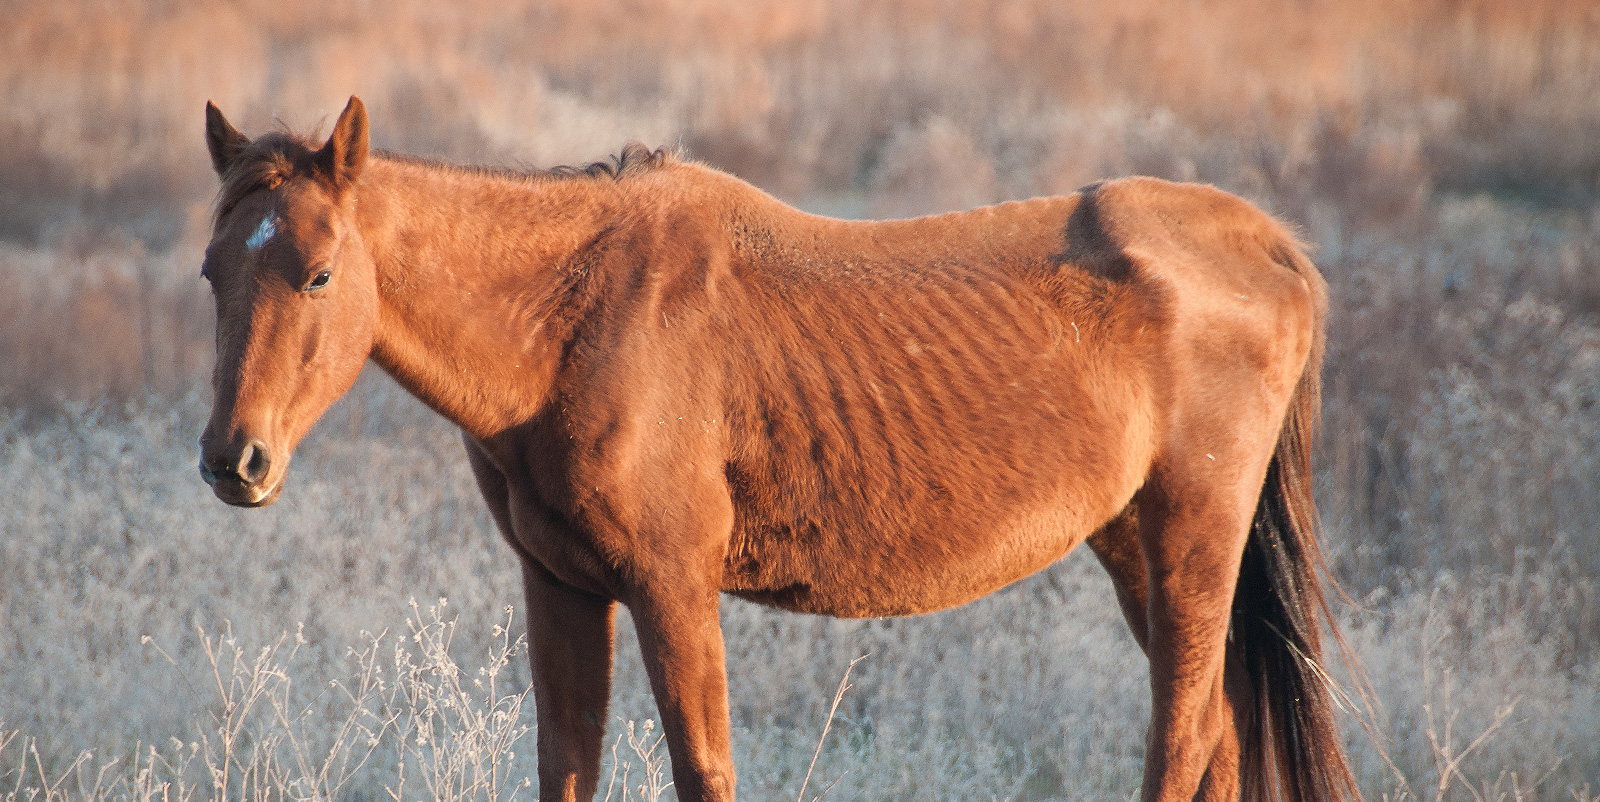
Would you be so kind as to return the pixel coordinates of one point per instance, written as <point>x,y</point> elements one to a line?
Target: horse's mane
<point>633,159</point>
<point>273,158</point>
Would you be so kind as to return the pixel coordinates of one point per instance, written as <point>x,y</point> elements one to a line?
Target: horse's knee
<point>712,781</point>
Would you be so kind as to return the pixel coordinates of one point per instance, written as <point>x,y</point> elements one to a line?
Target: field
<point>1441,158</point>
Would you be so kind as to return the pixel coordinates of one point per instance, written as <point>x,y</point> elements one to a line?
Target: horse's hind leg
<point>1194,516</point>
<point>1117,547</point>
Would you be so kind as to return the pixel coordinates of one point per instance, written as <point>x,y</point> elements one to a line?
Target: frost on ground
<point>150,635</point>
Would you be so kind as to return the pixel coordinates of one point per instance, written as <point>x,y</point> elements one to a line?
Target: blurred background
<point>1441,157</point>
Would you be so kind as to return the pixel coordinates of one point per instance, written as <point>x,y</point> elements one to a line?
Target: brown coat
<point>672,385</point>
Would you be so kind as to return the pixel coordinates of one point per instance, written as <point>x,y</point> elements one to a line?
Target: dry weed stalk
<point>838,696</point>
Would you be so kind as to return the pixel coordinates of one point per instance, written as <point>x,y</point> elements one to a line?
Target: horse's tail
<point>1292,748</point>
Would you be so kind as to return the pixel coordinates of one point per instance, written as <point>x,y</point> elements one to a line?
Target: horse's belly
<point>863,574</point>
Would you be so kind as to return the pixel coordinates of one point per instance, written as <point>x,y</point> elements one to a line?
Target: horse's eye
<point>319,281</point>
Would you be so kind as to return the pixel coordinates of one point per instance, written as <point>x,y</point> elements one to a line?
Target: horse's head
<point>297,298</point>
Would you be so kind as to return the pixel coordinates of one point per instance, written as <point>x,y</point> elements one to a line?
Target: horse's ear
<point>340,161</point>
<point>222,139</point>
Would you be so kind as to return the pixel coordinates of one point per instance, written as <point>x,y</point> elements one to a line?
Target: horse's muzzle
<point>238,476</point>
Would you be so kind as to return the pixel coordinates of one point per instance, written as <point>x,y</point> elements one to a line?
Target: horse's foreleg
<point>1193,535</point>
<point>680,638</point>
<point>570,638</point>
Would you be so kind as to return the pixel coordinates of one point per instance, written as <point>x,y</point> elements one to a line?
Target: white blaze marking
<point>264,232</point>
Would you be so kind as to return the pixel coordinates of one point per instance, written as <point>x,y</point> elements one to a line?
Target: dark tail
<point>1292,748</point>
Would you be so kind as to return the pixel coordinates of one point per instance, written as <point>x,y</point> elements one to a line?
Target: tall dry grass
<point>1441,157</point>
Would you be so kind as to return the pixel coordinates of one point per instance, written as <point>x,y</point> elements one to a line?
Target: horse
<point>671,386</point>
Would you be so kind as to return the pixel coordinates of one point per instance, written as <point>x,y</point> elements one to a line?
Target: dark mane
<point>273,158</point>
<point>635,158</point>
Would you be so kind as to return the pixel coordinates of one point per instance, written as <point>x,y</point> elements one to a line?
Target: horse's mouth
<point>239,494</point>
<point>249,497</point>
<point>266,498</point>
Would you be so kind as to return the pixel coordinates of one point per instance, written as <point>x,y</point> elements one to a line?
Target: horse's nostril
<point>254,461</point>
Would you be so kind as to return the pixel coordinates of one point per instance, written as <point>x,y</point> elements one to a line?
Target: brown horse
<point>672,386</point>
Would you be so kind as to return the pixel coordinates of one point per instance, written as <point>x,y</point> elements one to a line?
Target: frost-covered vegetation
<point>1441,158</point>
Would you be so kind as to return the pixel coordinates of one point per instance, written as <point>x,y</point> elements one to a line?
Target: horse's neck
<point>469,270</point>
